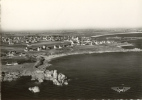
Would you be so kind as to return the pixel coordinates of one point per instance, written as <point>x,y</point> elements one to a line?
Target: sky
<point>19,15</point>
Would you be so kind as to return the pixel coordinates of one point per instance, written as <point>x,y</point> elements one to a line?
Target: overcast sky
<point>70,14</point>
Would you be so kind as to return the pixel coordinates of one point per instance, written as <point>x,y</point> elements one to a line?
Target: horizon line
<point>70,29</point>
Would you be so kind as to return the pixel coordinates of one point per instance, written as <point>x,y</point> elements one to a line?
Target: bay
<point>91,76</point>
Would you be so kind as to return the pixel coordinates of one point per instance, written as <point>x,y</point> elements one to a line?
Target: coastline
<point>51,57</point>
<point>115,34</point>
<point>16,71</point>
<point>40,72</point>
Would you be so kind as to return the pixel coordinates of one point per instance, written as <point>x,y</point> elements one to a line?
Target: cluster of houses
<point>90,41</point>
<point>46,47</point>
<point>13,53</point>
<point>33,39</point>
<point>42,43</point>
<point>19,39</point>
<point>70,41</point>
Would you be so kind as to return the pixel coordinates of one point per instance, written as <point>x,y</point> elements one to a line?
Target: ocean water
<point>91,76</point>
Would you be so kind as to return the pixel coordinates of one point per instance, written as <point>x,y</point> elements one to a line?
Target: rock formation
<point>39,75</point>
<point>10,76</point>
<point>58,79</point>
<point>39,61</point>
<point>34,89</point>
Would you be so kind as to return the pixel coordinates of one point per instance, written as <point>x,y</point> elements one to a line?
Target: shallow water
<point>92,76</point>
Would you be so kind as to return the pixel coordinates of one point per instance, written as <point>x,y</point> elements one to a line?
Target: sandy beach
<point>49,58</point>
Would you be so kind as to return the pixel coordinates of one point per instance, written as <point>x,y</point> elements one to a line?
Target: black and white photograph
<point>71,49</point>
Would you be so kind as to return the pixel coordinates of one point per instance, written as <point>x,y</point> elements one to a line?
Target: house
<point>11,53</point>
<point>44,47</point>
<point>26,49</point>
<point>39,49</point>
<point>60,47</point>
<point>55,47</point>
<point>22,54</point>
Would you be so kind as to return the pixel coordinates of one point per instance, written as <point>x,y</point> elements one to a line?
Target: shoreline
<point>50,58</point>
<point>42,73</point>
<point>116,34</point>
<point>37,73</point>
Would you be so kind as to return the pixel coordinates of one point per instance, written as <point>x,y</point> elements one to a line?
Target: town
<point>30,55</point>
<point>56,44</point>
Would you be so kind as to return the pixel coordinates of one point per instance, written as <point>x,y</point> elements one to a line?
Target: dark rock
<point>39,75</point>
<point>39,62</point>
<point>10,76</point>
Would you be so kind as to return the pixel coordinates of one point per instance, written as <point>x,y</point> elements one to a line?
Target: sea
<point>91,76</point>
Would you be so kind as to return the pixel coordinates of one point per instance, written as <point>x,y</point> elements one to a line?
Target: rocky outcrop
<point>39,75</point>
<point>34,89</point>
<point>57,78</point>
<point>40,61</point>
<point>39,72</point>
<point>10,76</point>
